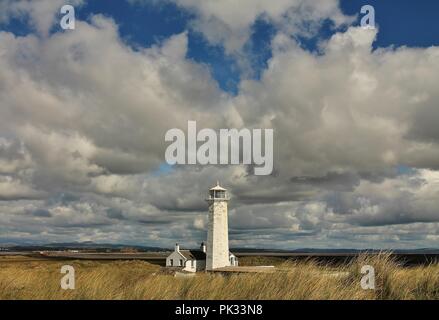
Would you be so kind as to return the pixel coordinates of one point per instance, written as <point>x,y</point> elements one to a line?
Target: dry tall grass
<point>28,278</point>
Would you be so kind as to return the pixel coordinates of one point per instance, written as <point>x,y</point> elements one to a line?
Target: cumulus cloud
<point>222,23</point>
<point>349,109</point>
<point>83,117</point>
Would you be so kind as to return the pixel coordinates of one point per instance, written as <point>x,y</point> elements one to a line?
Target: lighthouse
<point>217,251</point>
<point>215,254</point>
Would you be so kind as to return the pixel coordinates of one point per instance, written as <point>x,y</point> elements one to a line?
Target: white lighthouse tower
<point>217,253</point>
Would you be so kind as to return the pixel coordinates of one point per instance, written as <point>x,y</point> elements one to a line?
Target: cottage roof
<point>193,254</point>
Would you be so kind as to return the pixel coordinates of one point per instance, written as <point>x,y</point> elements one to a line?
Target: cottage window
<point>181,262</point>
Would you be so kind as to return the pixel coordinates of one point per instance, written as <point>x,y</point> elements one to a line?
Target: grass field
<point>34,278</point>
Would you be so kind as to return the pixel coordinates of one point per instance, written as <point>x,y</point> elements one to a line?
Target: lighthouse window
<point>220,194</point>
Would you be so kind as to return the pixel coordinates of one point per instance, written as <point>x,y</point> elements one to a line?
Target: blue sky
<point>401,23</point>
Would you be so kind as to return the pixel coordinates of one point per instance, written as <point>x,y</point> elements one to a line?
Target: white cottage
<point>216,254</point>
<point>187,260</point>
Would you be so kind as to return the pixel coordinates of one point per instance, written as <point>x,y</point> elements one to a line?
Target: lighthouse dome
<point>217,192</point>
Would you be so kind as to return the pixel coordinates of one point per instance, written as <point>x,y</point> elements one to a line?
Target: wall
<point>217,235</point>
<point>176,257</point>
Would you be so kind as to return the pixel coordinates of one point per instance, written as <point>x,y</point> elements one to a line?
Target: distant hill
<point>88,245</point>
<point>338,251</point>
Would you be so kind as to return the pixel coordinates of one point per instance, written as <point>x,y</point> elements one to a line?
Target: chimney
<point>203,247</point>
<point>177,247</point>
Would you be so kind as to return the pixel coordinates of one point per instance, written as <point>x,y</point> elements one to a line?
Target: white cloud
<point>228,23</point>
<point>349,109</point>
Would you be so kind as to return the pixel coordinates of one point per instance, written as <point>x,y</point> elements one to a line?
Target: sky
<point>84,112</point>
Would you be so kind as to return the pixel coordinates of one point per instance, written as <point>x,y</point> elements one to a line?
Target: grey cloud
<point>114,213</point>
<point>332,180</point>
<point>43,213</point>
